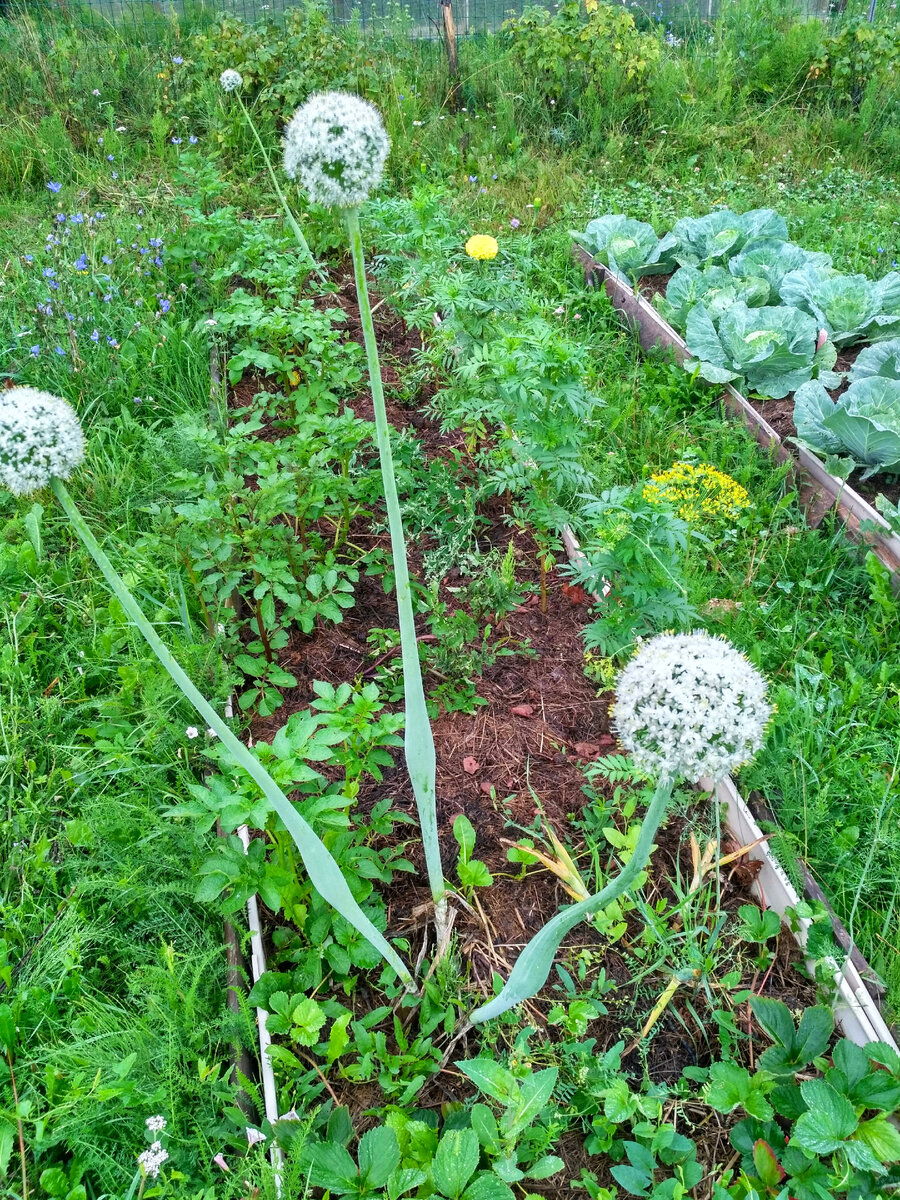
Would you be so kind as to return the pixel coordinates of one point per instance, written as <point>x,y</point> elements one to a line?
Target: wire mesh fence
<point>410,18</point>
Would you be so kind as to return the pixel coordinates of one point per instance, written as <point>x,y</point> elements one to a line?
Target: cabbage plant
<point>881,359</point>
<point>773,348</point>
<point>851,308</point>
<point>628,247</point>
<point>718,236</point>
<point>864,423</point>
<point>770,259</point>
<point>712,287</point>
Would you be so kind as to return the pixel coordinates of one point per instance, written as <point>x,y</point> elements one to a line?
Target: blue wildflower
<point>77,218</point>
<point>60,217</point>
<point>193,140</point>
<point>110,158</point>
<point>177,60</point>
<point>176,141</point>
<point>95,335</point>
<point>35,351</point>
<point>54,187</point>
<point>106,259</point>
<point>29,258</point>
<point>48,273</point>
<point>164,305</point>
<point>81,263</point>
<point>59,350</point>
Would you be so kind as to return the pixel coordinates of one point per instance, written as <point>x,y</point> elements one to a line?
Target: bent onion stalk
<point>324,873</point>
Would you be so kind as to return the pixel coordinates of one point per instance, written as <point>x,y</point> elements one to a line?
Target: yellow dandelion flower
<point>697,492</point>
<point>482,246</point>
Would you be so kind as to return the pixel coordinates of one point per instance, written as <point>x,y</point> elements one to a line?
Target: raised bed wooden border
<point>819,491</point>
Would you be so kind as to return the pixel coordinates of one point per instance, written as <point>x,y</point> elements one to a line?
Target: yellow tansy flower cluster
<point>697,492</point>
<point>482,246</point>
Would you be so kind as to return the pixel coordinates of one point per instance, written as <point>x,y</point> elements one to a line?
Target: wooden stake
<point>452,58</point>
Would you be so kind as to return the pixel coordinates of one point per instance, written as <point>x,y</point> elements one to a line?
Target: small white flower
<point>210,732</point>
<point>254,1136</point>
<point>690,706</point>
<point>151,1160</point>
<point>211,322</point>
<point>336,145</point>
<point>40,437</point>
<point>156,1124</point>
<point>220,1162</point>
<point>120,129</point>
<point>95,92</point>
<point>191,732</point>
<point>231,80</point>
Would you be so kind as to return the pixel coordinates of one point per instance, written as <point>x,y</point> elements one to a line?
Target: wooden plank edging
<point>818,489</point>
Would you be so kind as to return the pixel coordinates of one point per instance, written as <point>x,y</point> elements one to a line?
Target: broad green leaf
<point>775,1018</point>
<point>464,832</point>
<point>731,1087</point>
<point>486,1186</point>
<point>379,1156</point>
<point>535,1092</point>
<point>455,1161</point>
<point>508,1169</point>
<point>485,1125</point>
<point>404,1181</point>
<point>882,1138</point>
<point>546,1166</point>
<point>492,1079</point>
<point>829,1121</point>
<point>330,1166</point>
<point>862,1157</point>
<point>877,1090</point>
<point>338,1038</point>
<point>814,1033</point>
<point>340,1125</point>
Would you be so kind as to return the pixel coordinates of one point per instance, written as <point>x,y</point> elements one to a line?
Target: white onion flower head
<point>231,80</point>
<point>336,145</point>
<point>40,436</point>
<point>691,706</point>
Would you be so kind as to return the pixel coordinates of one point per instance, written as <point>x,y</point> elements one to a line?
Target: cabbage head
<point>718,236</point>
<point>771,260</point>
<point>851,307</point>
<point>712,287</point>
<point>773,348</point>
<point>864,423</point>
<point>630,248</point>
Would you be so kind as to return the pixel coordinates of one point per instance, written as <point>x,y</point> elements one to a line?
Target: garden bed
<point>513,762</point>
<point>819,491</point>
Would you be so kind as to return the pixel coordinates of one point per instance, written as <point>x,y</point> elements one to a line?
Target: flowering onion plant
<point>41,444</point>
<point>336,146</point>
<point>233,81</point>
<point>689,706</point>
